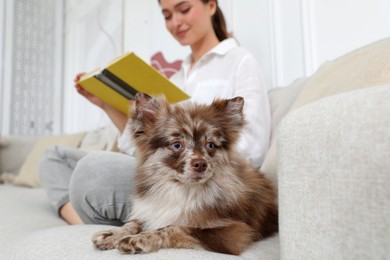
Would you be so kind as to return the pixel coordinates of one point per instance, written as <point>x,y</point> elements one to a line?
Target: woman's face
<point>189,21</point>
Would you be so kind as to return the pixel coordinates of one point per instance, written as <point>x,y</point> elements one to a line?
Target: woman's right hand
<point>117,117</point>
<point>92,98</point>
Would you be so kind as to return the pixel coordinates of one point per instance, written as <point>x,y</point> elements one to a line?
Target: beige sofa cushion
<point>335,194</point>
<point>363,68</point>
<point>101,139</point>
<point>13,152</point>
<point>281,99</point>
<point>2,144</point>
<point>28,174</point>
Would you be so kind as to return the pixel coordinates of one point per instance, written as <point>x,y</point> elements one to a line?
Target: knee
<point>90,175</point>
<point>87,177</point>
<point>100,183</point>
<point>98,171</point>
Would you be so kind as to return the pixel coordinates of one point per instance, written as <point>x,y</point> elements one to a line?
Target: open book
<point>124,77</point>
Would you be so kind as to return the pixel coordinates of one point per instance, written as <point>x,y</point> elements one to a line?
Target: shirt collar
<point>220,49</point>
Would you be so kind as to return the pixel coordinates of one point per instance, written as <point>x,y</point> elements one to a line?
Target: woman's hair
<point>218,21</point>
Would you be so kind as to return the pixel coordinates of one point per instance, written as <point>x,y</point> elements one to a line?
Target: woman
<point>96,187</point>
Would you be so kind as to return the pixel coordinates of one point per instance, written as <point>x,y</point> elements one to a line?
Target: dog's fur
<point>192,189</point>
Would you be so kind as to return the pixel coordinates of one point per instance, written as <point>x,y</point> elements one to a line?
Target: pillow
<point>281,100</point>
<point>2,144</point>
<point>102,139</point>
<point>14,152</point>
<point>28,174</point>
<point>362,68</point>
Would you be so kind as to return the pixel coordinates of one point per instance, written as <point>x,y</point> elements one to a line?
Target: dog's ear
<point>229,113</point>
<point>145,103</point>
<point>235,106</point>
<point>145,108</point>
<point>234,114</point>
<point>230,110</point>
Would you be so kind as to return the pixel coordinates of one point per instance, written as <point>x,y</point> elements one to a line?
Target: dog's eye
<point>177,146</point>
<point>210,145</point>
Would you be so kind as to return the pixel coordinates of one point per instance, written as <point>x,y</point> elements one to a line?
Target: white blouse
<point>227,71</point>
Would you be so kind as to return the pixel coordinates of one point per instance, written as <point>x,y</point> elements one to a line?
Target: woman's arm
<point>249,83</point>
<point>118,118</point>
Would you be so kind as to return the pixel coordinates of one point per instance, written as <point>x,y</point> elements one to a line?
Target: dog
<point>192,190</point>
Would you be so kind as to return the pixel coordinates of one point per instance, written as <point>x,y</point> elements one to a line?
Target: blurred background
<point>45,43</point>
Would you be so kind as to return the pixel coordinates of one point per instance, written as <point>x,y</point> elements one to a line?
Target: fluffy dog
<point>192,189</point>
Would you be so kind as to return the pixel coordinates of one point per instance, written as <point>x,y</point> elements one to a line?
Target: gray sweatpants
<point>98,184</point>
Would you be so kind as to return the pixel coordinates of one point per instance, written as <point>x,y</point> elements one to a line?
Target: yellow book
<point>124,77</point>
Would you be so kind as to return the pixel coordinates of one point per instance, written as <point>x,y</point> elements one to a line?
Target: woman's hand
<point>92,98</point>
<point>118,118</point>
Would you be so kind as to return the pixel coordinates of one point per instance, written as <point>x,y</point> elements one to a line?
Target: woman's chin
<point>184,41</point>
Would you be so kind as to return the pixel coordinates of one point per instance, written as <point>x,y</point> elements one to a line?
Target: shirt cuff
<point>125,143</point>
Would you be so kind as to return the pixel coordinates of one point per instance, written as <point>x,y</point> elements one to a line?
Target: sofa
<point>329,158</point>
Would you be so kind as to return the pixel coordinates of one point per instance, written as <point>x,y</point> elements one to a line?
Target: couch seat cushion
<point>74,242</point>
<point>23,211</point>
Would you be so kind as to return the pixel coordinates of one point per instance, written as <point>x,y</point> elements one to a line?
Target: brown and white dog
<point>192,189</point>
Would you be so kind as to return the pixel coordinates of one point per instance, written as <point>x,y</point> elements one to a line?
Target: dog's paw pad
<point>103,240</point>
<point>127,246</point>
<point>131,245</point>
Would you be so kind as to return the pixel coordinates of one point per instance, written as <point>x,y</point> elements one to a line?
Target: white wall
<point>2,61</point>
<point>253,28</point>
<point>93,33</point>
<point>307,33</point>
<point>341,26</point>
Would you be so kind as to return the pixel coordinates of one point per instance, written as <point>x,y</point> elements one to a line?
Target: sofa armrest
<point>334,177</point>
<point>14,151</point>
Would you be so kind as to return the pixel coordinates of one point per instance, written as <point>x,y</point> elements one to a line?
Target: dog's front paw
<point>141,243</point>
<point>105,240</point>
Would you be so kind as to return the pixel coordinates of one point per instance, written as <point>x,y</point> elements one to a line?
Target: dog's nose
<point>199,165</point>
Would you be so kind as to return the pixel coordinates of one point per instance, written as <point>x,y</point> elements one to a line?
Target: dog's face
<point>185,143</point>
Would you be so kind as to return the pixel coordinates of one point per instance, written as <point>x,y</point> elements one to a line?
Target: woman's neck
<point>201,47</point>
